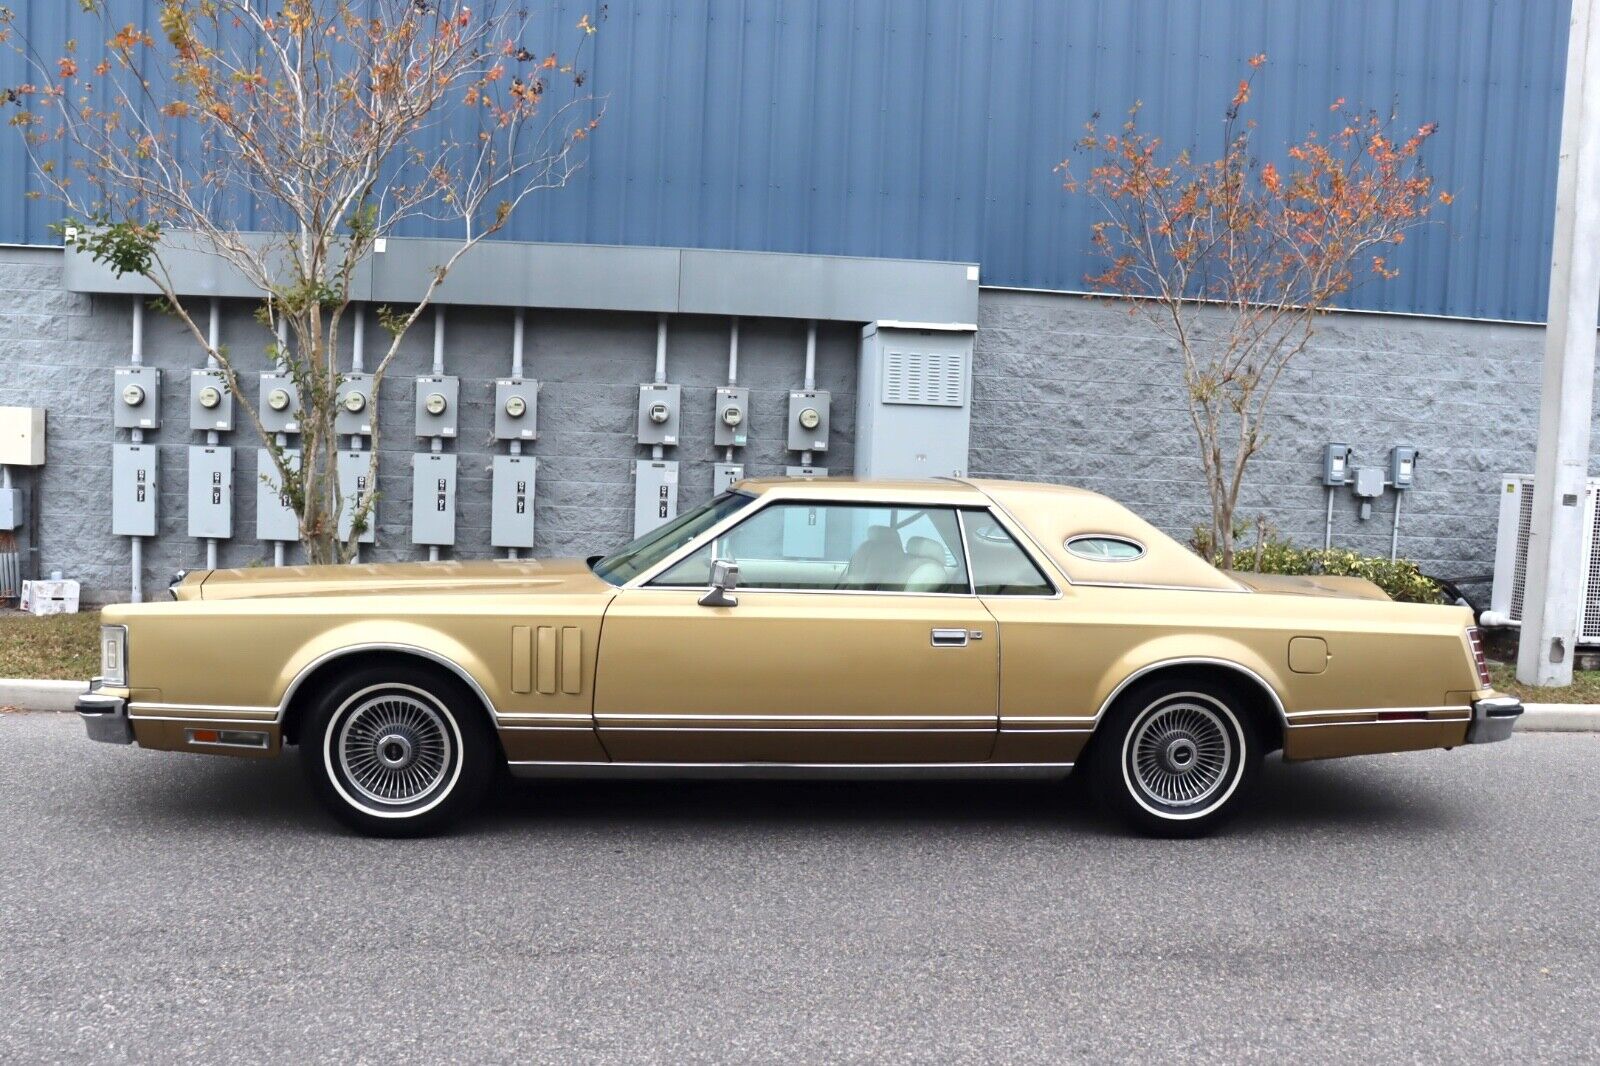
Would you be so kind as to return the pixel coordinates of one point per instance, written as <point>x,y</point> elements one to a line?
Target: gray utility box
<point>516,411</point>
<point>914,407</point>
<point>732,427</point>
<point>437,402</point>
<point>210,402</point>
<point>433,498</point>
<point>511,501</point>
<point>13,509</point>
<point>279,409</point>
<point>659,407</point>
<point>133,490</point>
<point>275,519</point>
<point>808,420</point>
<point>655,494</point>
<point>355,485</point>
<point>354,417</point>
<point>136,403</point>
<point>805,471</point>
<point>725,476</point>
<point>210,491</point>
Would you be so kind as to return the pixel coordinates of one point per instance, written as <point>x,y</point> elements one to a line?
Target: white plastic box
<point>50,597</point>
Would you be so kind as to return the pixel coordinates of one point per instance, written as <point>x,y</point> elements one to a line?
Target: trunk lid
<point>1337,586</point>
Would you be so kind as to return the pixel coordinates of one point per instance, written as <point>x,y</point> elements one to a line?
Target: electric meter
<point>516,406</point>
<point>355,402</point>
<point>436,404</point>
<point>210,396</point>
<point>809,418</point>
<point>732,416</point>
<point>659,413</point>
<point>278,399</point>
<point>133,395</point>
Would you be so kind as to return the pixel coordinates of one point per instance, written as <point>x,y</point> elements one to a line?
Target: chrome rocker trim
<point>794,771</point>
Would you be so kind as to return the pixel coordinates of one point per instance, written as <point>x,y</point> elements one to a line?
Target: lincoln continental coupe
<point>810,628</point>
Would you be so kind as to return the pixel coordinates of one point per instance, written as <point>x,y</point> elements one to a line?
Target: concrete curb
<point>1559,718</point>
<point>40,695</point>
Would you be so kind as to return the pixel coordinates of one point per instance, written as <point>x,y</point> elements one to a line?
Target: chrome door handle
<point>949,638</point>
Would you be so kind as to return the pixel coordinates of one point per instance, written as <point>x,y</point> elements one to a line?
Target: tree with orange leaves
<point>1233,259</point>
<point>330,122</point>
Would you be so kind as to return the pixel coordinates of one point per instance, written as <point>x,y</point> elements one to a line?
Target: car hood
<point>1342,587</point>
<point>531,576</point>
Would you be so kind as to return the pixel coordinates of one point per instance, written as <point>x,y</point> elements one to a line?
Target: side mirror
<point>724,579</point>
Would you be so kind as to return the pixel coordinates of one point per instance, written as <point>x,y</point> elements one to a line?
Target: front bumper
<point>1493,719</point>
<point>105,718</point>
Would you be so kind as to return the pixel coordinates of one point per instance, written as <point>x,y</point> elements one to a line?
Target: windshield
<point>623,566</point>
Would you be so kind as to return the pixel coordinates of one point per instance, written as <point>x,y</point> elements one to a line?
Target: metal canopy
<point>606,278</point>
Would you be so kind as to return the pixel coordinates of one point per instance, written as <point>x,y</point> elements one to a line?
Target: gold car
<point>800,627</point>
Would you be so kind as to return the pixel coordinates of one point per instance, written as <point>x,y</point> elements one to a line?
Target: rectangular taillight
<point>1475,639</point>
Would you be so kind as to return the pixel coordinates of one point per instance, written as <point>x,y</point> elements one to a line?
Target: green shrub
<point>1400,578</point>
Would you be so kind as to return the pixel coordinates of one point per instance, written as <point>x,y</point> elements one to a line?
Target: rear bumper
<point>105,718</point>
<point>1493,719</point>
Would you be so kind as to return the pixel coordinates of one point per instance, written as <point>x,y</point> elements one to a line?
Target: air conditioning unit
<point>1511,557</point>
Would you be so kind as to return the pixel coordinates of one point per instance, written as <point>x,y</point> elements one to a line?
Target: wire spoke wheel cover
<point>393,750</point>
<point>1183,755</point>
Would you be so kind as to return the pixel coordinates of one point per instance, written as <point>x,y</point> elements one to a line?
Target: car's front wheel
<point>1175,758</point>
<point>397,750</point>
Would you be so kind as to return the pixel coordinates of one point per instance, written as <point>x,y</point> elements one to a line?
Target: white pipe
<point>433,553</point>
<point>136,356</point>
<point>136,544</point>
<point>277,553</point>
<point>213,339</point>
<point>733,353</point>
<point>5,477</point>
<point>661,349</point>
<point>1327,528</point>
<point>438,341</point>
<point>1394,536</point>
<point>518,327</point>
<point>358,340</point>
<point>811,355</point>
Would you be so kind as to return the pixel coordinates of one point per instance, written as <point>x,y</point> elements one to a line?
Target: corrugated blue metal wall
<point>929,128</point>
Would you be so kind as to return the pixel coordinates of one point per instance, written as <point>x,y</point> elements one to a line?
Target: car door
<point>855,639</point>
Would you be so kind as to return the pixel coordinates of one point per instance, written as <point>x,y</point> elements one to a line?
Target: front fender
<point>409,637</point>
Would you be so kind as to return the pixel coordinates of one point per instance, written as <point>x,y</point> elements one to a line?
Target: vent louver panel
<point>928,379</point>
<point>1589,631</point>
<point>1519,580</point>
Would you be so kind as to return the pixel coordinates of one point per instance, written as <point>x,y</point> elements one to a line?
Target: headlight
<point>114,656</point>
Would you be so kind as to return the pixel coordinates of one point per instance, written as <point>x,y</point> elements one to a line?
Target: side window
<point>824,547</point>
<point>999,565</point>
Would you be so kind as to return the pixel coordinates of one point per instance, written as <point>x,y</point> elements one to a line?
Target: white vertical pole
<point>1551,599</point>
<point>136,544</point>
<point>213,339</point>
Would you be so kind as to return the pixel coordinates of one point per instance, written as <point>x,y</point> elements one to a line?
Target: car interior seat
<point>928,571</point>
<point>878,563</point>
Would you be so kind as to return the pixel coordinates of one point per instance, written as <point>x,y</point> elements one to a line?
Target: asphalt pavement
<point>160,907</point>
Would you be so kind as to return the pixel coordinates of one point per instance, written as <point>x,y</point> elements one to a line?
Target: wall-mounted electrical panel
<point>354,416</point>
<point>210,402</point>
<point>659,407</point>
<point>210,491</point>
<point>13,509</point>
<point>805,471</point>
<point>725,476</point>
<point>433,498</point>
<point>355,487</point>
<point>133,490</point>
<point>275,518</point>
<point>437,405</point>
<point>511,501</point>
<point>808,420</point>
<point>655,494</point>
<point>1336,464</point>
<point>21,436</point>
<point>137,403</point>
<point>732,426</point>
<point>516,411</point>
<point>914,404</point>
<point>279,409</point>
<point>1403,467</point>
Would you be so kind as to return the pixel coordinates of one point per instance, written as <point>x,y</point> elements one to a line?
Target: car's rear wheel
<point>398,750</point>
<point>1175,758</point>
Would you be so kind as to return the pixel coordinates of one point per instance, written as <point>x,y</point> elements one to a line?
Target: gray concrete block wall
<point>57,350</point>
<point>1076,390</point>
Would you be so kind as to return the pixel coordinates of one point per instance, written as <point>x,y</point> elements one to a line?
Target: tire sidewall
<point>1113,775</point>
<point>473,751</point>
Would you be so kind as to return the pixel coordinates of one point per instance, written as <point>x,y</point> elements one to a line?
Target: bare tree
<point>335,124</point>
<point>1269,249</point>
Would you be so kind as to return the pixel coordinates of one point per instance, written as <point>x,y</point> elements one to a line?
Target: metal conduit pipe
<point>656,450</point>
<point>213,339</point>
<point>436,444</point>
<point>811,373</point>
<point>136,544</point>
<point>282,439</point>
<point>518,331</point>
<point>733,372</point>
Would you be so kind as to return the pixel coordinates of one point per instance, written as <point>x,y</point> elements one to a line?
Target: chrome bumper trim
<point>105,718</point>
<point>1493,719</point>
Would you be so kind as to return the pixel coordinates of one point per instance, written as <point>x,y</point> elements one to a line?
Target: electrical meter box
<point>210,402</point>
<point>13,509</point>
<point>354,417</point>
<point>1336,464</point>
<point>279,410</point>
<point>659,405</point>
<point>511,501</point>
<point>137,403</point>
<point>805,471</point>
<point>725,476</point>
<point>133,490</point>
<point>1403,466</point>
<point>808,420</point>
<point>355,486</point>
<point>433,498</point>
<point>210,491</point>
<point>732,426</point>
<point>914,401</point>
<point>437,400</point>
<point>275,519</point>
<point>21,436</point>
<point>655,494</point>
<point>516,411</point>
